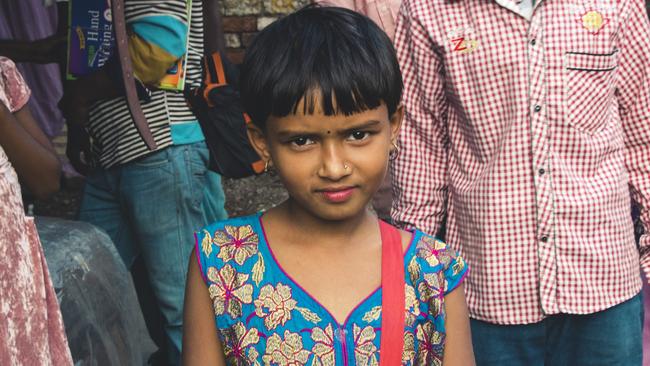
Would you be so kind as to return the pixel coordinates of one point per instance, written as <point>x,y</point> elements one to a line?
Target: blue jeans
<point>609,338</point>
<point>151,207</point>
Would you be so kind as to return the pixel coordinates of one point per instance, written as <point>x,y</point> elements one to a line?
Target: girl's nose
<point>333,164</point>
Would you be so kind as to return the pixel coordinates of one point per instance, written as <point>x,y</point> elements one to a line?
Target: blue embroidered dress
<point>265,318</point>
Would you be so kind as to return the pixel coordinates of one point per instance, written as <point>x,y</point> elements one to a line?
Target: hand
<point>75,104</point>
<point>78,149</point>
<point>54,49</point>
<point>42,51</point>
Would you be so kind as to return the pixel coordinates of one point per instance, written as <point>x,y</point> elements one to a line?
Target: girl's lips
<point>339,195</point>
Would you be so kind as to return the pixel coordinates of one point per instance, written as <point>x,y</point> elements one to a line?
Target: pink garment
<point>383,12</point>
<point>31,326</point>
<point>14,92</point>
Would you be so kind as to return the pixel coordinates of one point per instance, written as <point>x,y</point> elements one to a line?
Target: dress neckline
<point>307,293</point>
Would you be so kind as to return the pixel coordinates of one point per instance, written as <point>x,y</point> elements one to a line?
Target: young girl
<point>300,283</point>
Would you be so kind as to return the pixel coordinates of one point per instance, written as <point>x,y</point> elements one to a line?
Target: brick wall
<point>242,19</point>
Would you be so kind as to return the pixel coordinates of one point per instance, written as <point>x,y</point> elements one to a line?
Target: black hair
<point>334,53</point>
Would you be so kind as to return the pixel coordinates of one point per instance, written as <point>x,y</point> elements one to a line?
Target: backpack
<point>217,106</point>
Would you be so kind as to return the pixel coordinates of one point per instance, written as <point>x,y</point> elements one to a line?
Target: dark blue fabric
<point>609,338</point>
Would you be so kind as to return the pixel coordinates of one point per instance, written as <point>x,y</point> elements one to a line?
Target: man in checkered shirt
<point>527,130</point>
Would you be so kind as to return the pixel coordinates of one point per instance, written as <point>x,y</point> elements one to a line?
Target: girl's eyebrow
<point>362,125</point>
<point>301,132</point>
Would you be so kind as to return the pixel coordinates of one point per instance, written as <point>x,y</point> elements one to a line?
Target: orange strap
<point>214,77</point>
<point>392,298</point>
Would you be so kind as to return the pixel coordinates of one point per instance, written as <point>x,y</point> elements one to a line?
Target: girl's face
<point>330,165</point>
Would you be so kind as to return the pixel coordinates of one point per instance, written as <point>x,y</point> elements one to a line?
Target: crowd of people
<point>507,140</point>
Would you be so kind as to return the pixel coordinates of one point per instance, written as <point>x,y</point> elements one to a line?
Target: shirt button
<point>533,42</point>
<point>544,239</point>
<point>538,108</point>
<point>541,171</point>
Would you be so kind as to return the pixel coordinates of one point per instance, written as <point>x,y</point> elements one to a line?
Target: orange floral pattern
<point>229,290</point>
<point>278,303</point>
<point>236,243</point>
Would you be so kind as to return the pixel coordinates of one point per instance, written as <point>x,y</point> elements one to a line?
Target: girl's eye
<point>358,135</point>
<point>301,141</point>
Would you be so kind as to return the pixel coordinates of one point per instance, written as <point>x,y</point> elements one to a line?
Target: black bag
<point>217,106</point>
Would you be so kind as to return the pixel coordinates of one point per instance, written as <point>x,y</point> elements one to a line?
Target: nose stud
<point>345,166</point>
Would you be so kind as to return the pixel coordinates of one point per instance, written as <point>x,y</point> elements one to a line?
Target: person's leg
<point>213,198</point>
<point>609,338</point>
<point>498,345</point>
<point>165,194</point>
<point>100,206</point>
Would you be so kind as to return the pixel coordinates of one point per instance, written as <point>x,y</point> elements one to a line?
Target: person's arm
<point>157,40</point>
<point>29,151</point>
<point>634,101</point>
<point>419,172</point>
<point>458,339</point>
<point>201,345</point>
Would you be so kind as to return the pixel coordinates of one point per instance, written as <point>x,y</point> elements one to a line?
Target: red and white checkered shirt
<point>529,131</point>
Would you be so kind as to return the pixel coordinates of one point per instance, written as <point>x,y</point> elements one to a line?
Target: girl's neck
<point>306,226</point>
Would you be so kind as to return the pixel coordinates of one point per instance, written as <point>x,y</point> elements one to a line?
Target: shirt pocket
<point>589,85</point>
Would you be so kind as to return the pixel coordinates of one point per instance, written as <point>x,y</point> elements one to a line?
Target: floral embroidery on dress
<point>431,292</point>
<point>411,306</point>
<point>279,303</point>
<point>285,352</point>
<point>253,357</point>
<point>431,345</point>
<point>229,290</point>
<point>323,350</point>
<point>414,270</point>
<point>236,243</point>
<point>264,318</point>
<point>408,356</point>
<point>258,270</point>
<point>434,251</point>
<point>457,267</point>
<point>237,340</point>
<point>364,346</point>
<point>206,243</point>
<point>372,314</point>
<point>309,315</point>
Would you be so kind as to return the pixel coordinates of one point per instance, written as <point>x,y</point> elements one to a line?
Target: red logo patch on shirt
<point>463,45</point>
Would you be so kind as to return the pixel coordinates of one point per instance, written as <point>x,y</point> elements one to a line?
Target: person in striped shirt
<point>149,202</point>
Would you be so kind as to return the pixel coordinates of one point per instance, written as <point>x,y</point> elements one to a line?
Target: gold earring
<point>395,152</point>
<point>266,166</point>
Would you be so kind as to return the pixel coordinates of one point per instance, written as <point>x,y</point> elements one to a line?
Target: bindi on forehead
<point>328,132</point>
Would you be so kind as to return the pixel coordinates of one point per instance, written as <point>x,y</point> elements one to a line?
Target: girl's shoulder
<point>432,263</point>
